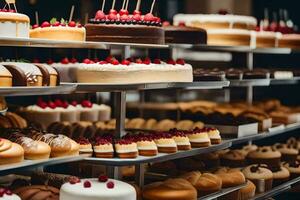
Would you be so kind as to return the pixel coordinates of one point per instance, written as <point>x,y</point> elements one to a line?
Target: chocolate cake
<point>207,75</point>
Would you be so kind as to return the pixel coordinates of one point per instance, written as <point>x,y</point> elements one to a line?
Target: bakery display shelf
<point>87,87</point>
<point>44,43</point>
<point>222,192</point>
<point>241,49</point>
<point>294,80</point>
<point>277,190</point>
<point>31,164</point>
<point>161,157</point>
<point>271,133</point>
<point>250,82</point>
<point>29,91</point>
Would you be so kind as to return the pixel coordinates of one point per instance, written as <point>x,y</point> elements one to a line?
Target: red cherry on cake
<point>73,180</point>
<point>109,59</point>
<point>148,17</point>
<point>65,61</point>
<point>113,11</point>
<point>137,12</point>
<point>86,104</point>
<point>35,60</point>
<point>72,24</point>
<point>124,18</point>
<point>137,17</point>
<point>51,104</point>
<point>166,23</point>
<point>45,24</point>
<point>42,105</point>
<point>57,23</point>
<point>147,61</point>
<point>112,16</point>
<point>86,61</point>
<point>102,178</point>
<point>180,61</point>
<point>123,12</point>
<point>8,192</point>
<point>139,61</point>
<point>65,104</point>
<point>35,26</point>
<point>125,62</point>
<point>58,103</point>
<point>96,60</point>
<point>110,185</point>
<point>157,61</point>
<point>50,61</point>
<point>171,62</point>
<point>11,11</point>
<point>87,184</point>
<point>74,103</point>
<point>73,60</point>
<point>182,24</point>
<point>115,62</point>
<point>102,62</point>
<point>100,15</point>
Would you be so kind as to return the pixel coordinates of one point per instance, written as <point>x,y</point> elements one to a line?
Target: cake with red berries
<point>85,147</point>
<point>58,30</point>
<point>50,75</point>
<point>181,140</point>
<point>183,34</point>
<point>126,148</point>
<point>198,138</point>
<point>13,25</point>
<point>124,27</point>
<point>145,144</point>
<point>97,189</point>
<point>128,71</point>
<point>6,194</point>
<point>165,142</point>
<point>67,69</point>
<point>103,148</point>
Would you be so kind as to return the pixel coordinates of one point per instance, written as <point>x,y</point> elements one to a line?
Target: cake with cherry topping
<point>67,69</point>
<point>124,27</point>
<point>214,135</point>
<point>198,138</point>
<point>145,144</point>
<point>97,189</point>
<point>58,30</point>
<point>165,142</point>
<point>126,148</point>
<point>6,194</point>
<point>85,147</point>
<point>111,71</point>
<point>103,147</point>
<point>181,140</point>
<point>13,24</point>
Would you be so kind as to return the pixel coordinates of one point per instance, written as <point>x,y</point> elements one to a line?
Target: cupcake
<point>198,138</point>
<point>280,175</point>
<point>146,145</point>
<point>247,192</point>
<point>265,155</point>
<point>85,147</point>
<point>103,148</point>
<point>249,148</point>
<point>126,148</point>
<point>182,141</point>
<point>288,153</point>
<point>214,135</point>
<point>165,142</point>
<point>233,158</point>
<point>294,168</point>
<point>260,176</point>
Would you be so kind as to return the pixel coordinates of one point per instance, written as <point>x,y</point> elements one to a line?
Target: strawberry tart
<point>58,30</point>
<point>128,71</point>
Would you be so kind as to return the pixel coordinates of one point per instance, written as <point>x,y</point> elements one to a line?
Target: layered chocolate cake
<point>124,27</point>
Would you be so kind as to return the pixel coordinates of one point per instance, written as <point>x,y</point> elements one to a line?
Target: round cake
<point>5,77</point>
<point>14,24</point>
<point>97,189</point>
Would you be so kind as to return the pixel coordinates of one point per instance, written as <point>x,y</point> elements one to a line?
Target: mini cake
<point>126,149</point>
<point>165,142</point>
<point>24,74</point>
<point>55,30</point>
<point>247,192</point>
<point>260,176</point>
<point>67,69</point>
<point>181,140</point>
<point>233,158</point>
<point>5,77</point>
<point>288,153</point>
<point>265,155</point>
<point>88,111</point>
<point>171,189</point>
<point>263,39</point>
<point>50,75</point>
<point>6,194</point>
<point>103,148</point>
<point>145,145</point>
<point>289,41</point>
<point>14,25</point>
<point>85,147</point>
<point>101,188</point>
<point>104,112</point>
<point>127,72</point>
<point>198,138</point>
<point>294,168</point>
<point>214,135</point>
<point>10,152</point>
<point>280,175</point>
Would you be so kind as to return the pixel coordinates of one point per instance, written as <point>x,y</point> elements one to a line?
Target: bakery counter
<point>31,164</point>
<point>29,91</point>
<point>161,157</point>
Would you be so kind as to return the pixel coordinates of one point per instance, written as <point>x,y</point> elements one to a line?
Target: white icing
<point>13,28</point>
<point>67,72</point>
<point>10,197</point>
<point>183,143</point>
<point>200,140</point>
<point>126,150</point>
<point>147,148</point>
<point>97,191</point>
<point>229,32</point>
<point>103,151</point>
<point>167,145</point>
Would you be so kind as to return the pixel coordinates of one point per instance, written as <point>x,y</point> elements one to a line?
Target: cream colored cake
<point>14,25</point>
<point>59,33</point>
<point>263,39</point>
<point>5,77</point>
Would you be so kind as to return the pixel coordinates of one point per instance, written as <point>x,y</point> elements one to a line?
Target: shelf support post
<point>250,67</point>
<point>139,174</point>
<point>120,111</point>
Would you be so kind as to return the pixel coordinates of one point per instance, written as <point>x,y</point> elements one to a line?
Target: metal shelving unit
<point>250,82</point>
<point>222,192</point>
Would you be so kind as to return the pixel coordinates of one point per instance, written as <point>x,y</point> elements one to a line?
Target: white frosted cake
<point>6,194</point>
<point>145,72</point>
<point>67,69</point>
<point>97,189</point>
<point>14,25</point>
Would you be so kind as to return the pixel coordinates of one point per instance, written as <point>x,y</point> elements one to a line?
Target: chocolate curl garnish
<point>113,4</point>
<point>152,6</point>
<point>103,5</point>
<point>138,5</point>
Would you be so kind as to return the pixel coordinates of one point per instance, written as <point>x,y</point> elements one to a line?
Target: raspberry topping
<point>87,184</point>
<point>100,15</point>
<point>157,61</point>
<point>110,185</point>
<point>74,103</point>
<point>83,141</point>
<point>171,62</point>
<point>137,12</point>
<point>45,24</point>
<point>73,60</point>
<point>102,62</point>
<point>86,104</point>
<point>102,141</point>
<point>50,61</point>
<point>124,141</point>
<point>87,61</point>
<point>180,61</point>
<point>115,62</point>
<point>139,61</point>
<point>102,178</point>
<point>65,61</point>
<point>65,104</point>
<point>58,102</point>
<point>72,24</point>
<point>125,62</point>
<point>147,61</point>
<point>35,26</point>
<point>123,12</point>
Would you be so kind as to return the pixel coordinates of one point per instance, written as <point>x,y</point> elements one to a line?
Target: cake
<point>24,74</point>
<point>40,192</point>
<point>214,135</point>
<point>85,147</point>
<point>264,39</point>
<point>124,27</point>
<point>280,175</point>
<point>145,144</point>
<point>50,75</point>
<point>14,25</point>
<point>181,140</point>
<point>5,77</point>
<point>288,153</point>
<point>10,152</point>
<point>126,148</point>
<point>247,192</point>
<point>165,142</point>
<point>289,41</point>
<point>94,189</point>
<point>58,30</point>
<point>183,34</point>
<point>211,160</point>
<point>198,138</point>
<point>103,148</point>
<point>6,194</point>
<point>128,72</point>
<point>67,69</point>
<point>265,155</point>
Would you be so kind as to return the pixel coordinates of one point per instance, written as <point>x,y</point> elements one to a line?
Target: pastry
<point>288,153</point>
<point>198,138</point>
<point>185,125</point>
<point>24,74</point>
<point>50,75</point>
<point>214,135</point>
<point>5,77</point>
<point>16,121</point>
<point>137,123</point>
<point>10,152</point>
<point>85,147</point>
<point>293,167</point>
<point>58,30</point>
<point>13,24</point>
<point>126,149</point>
<point>101,188</point>
<point>40,192</point>
<point>260,175</point>
<point>233,158</point>
<point>265,155</point>
<point>103,148</point>
<point>165,142</point>
<point>6,194</point>
<point>146,145</point>
<point>171,189</point>
<point>181,140</point>
<point>280,175</point>
<point>165,125</point>
<point>247,192</point>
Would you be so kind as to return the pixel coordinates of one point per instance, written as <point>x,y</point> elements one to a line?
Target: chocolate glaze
<point>19,77</point>
<point>185,35</point>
